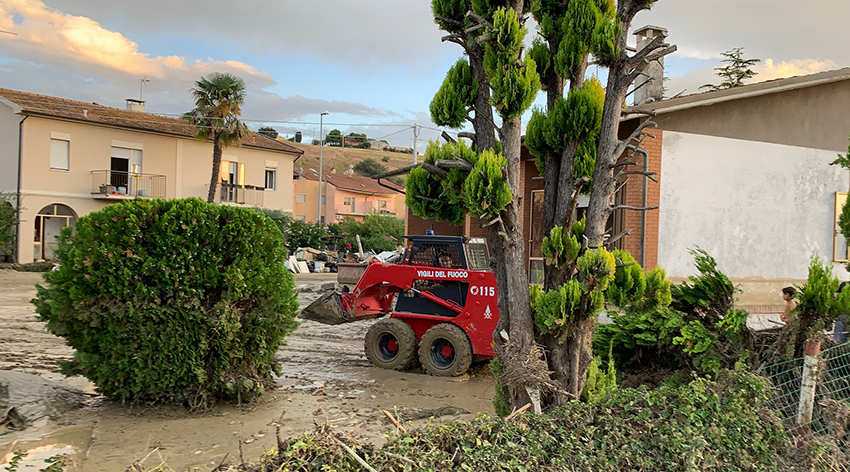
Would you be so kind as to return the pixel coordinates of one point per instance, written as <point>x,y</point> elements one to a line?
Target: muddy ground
<point>326,376</point>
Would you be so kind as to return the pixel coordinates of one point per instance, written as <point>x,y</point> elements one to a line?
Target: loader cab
<point>444,252</point>
<point>447,252</point>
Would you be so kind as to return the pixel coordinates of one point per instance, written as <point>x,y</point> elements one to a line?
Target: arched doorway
<point>48,225</point>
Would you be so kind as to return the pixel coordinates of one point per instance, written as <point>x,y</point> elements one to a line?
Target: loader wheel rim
<point>388,347</point>
<point>442,353</point>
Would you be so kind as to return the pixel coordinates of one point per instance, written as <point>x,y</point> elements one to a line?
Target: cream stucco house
<point>67,158</point>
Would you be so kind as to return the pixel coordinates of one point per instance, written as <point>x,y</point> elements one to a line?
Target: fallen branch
<point>516,412</point>
<point>355,456</point>
<point>397,425</point>
<point>401,458</point>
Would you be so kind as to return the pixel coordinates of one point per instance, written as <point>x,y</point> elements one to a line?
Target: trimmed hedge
<point>172,300</point>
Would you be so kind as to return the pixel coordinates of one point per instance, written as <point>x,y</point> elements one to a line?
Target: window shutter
<point>59,154</point>
<point>241,174</point>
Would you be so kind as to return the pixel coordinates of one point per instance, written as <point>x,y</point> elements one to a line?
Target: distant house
<point>68,158</point>
<point>344,196</point>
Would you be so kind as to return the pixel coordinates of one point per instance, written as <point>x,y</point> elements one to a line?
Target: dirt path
<point>107,436</point>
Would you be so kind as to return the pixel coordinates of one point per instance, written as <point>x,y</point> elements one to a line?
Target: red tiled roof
<point>353,183</point>
<point>55,107</point>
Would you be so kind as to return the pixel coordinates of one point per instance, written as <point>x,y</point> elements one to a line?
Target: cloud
<point>76,57</point>
<point>770,69</point>
<point>365,35</point>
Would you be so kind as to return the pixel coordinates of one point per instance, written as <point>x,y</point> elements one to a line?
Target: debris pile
<point>307,259</point>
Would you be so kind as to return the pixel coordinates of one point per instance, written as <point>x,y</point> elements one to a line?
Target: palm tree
<point>218,101</point>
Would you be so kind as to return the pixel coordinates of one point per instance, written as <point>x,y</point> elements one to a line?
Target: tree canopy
<point>735,72</point>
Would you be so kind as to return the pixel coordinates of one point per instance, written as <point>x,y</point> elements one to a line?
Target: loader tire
<point>391,344</point>
<point>445,351</point>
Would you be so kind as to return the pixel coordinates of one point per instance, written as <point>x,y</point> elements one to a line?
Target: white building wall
<point>760,209</point>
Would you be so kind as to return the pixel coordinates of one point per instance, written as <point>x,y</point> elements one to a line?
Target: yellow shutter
<point>223,171</point>
<point>241,175</point>
<point>840,251</point>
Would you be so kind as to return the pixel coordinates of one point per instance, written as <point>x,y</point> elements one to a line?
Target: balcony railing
<point>239,194</point>
<point>117,184</point>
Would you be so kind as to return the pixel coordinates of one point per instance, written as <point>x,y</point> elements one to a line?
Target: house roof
<point>737,93</point>
<point>354,183</point>
<point>55,107</point>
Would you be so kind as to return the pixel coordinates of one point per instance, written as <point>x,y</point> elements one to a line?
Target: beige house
<point>67,158</point>
<point>344,196</point>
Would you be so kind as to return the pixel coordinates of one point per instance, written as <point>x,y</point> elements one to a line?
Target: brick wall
<point>633,197</point>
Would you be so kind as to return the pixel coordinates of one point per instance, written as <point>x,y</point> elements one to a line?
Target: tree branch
<point>403,170</point>
<point>434,170</point>
<point>448,138</point>
<point>638,57</point>
<point>648,175</point>
<point>465,134</point>
<point>427,199</point>
<point>625,163</point>
<point>578,185</point>
<point>498,219</point>
<point>629,207</point>
<point>457,39</point>
<point>449,21</point>
<point>455,163</point>
<point>619,237</point>
<point>625,143</point>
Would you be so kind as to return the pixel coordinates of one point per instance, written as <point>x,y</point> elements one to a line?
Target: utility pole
<point>321,145</point>
<point>415,137</point>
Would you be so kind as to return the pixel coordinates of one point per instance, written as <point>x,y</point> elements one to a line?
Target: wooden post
<point>808,386</point>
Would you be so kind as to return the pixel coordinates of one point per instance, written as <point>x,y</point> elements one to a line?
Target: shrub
<point>377,232</point>
<point>8,221</point>
<point>369,167</point>
<point>303,234</point>
<point>176,300</point>
<point>691,325</point>
<point>41,266</point>
<point>283,220</point>
<point>385,159</point>
<point>701,425</point>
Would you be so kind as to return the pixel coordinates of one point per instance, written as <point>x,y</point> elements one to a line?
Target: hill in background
<point>341,158</point>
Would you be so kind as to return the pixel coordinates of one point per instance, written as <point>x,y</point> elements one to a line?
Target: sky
<point>373,65</point>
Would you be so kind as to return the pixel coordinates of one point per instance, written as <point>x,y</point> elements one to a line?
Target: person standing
<point>788,295</point>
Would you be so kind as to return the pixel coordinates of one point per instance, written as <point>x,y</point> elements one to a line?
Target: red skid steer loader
<point>445,312</point>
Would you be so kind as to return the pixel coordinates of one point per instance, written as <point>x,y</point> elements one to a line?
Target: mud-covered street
<point>326,377</point>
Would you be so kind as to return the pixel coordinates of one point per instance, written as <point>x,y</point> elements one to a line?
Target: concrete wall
<point>185,163</point>
<point>813,117</point>
<point>760,209</point>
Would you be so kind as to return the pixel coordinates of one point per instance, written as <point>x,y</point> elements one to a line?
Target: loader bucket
<point>327,310</point>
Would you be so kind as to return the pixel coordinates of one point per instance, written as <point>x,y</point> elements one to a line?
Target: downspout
<point>20,166</point>
<point>643,200</point>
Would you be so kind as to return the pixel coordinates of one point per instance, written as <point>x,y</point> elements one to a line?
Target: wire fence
<point>832,381</point>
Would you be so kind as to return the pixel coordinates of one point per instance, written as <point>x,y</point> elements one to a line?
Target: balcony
<point>111,184</point>
<point>249,195</point>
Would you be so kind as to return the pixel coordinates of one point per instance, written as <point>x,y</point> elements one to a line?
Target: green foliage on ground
<point>377,232</point>
<point>42,266</point>
<point>8,222</point>
<point>707,425</point>
<point>678,326</point>
<point>171,300</point>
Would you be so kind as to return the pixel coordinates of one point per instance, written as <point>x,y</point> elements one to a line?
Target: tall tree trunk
<point>216,168</point>
<point>483,124</point>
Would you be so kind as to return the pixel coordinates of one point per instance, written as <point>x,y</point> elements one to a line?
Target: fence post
<point>807,386</point>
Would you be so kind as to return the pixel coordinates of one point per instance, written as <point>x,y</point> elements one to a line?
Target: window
<point>271,179</point>
<point>349,202</point>
<point>60,154</point>
<point>323,199</point>
<point>300,217</point>
<point>301,198</point>
<point>840,251</point>
<point>382,204</point>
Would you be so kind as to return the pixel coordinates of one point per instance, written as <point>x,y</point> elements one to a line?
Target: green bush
<point>377,232</point>
<point>369,167</point>
<point>8,221</point>
<point>691,325</point>
<point>41,266</point>
<point>701,425</point>
<point>303,234</point>
<point>171,300</point>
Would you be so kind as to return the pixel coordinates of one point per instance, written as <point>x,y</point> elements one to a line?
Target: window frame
<point>300,198</point>
<point>273,171</point>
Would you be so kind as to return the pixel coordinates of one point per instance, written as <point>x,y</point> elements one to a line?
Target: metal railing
<point>118,183</point>
<point>238,194</point>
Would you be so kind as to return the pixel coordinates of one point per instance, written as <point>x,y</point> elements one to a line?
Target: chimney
<point>653,91</point>
<point>134,104</point>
